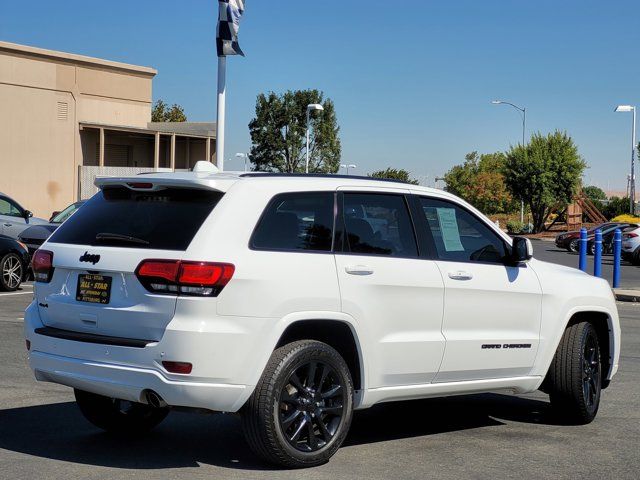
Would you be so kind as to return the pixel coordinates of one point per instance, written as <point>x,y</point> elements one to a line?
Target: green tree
<point>395,174</point>
<point>616,206</point>
<point>480,181</point>
<point>545,173</point>
<point>162,113</point>
<point>595,194</point>
<point>278,133</point>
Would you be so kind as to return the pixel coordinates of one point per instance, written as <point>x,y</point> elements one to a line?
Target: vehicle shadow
<point>58,431</point>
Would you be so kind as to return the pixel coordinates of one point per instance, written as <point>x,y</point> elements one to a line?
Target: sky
<point>412,80</point>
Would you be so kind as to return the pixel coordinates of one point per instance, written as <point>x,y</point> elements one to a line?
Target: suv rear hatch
<point>93,287</point>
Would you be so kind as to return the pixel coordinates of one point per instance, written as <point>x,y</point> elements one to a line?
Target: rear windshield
<point>117,216</point>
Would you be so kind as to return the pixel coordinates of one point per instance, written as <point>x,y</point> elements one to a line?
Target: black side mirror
<point>521,250</point>
<point>27,214</point>
<point>54,215</point>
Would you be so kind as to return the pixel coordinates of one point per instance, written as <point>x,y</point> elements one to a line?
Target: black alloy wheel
<point>591,377</point>
<point>300,411</point>
<point>574,380</point>
<point>311,406</point>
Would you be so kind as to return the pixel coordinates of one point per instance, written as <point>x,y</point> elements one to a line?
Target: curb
<point>627,295</point>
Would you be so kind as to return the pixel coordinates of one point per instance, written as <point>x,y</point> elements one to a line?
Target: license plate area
<point>93,288</point>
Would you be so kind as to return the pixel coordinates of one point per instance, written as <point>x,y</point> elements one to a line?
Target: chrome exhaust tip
<point>155,400</point>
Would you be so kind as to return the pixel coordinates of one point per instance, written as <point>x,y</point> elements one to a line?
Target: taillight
<point>630,235</point>
<point>203,279</point>
<point>42,265</point>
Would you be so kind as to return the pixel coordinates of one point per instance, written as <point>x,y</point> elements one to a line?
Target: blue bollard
<point>597,254</point>
<point>617,251</point>
<point>582,261</point>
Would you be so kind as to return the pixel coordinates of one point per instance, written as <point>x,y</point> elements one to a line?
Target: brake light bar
<point>42,266</point>
<point>140,185</point>
<point>204,279</point>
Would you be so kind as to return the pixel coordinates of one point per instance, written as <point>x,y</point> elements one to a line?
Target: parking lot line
<point>15,293</point>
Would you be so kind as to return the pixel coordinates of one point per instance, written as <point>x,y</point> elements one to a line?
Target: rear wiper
<point>116,237</point>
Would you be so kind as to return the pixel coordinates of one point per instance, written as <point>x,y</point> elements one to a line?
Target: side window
<point>296,221</point>
<point>378,224</point>
<point>9,208</point>
<point>459,235</point>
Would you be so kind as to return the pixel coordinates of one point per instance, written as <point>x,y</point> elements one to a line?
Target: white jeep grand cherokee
<point>296,299</point>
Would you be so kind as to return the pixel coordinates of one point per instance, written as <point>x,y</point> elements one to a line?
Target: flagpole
<point>222,92</point>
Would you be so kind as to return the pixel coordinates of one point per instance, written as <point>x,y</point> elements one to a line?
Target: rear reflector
<point>178,367</point>
<point>203,279</point>
<point>42,266</point>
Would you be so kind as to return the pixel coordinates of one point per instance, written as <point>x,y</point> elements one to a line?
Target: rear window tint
<point>296,221</point>
<point>164,220</point>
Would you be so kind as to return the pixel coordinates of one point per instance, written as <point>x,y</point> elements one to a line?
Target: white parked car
<point>631,245</point>
<point>265,294</point>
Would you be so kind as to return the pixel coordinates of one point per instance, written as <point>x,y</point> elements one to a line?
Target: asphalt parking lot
<point>480,436</point>
<point>547,251</point>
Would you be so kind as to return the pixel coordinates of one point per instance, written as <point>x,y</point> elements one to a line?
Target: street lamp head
<point>496,102</point>
<point>315,106</point>
<point>625,108</point>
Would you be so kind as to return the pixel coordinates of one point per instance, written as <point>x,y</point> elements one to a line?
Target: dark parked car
<point>14,262</point>
<point>607,237</point>
<point>570,240</point>
<point>35,236</point>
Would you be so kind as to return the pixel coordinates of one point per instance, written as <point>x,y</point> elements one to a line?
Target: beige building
<point>67,118</point>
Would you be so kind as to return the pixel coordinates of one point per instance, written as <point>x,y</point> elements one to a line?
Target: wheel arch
<point>605,329</point>
<point>339,334</point>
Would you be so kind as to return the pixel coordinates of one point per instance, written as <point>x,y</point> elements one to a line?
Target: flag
<point>229,14</point>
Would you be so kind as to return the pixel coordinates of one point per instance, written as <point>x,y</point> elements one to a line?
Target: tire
<point>118,416</point>
<point>591,249</point>
<point>574,246</point>
<point>291,421</point>
<point>635,260</point>
<point>574,380</point>
<point>11,272</point>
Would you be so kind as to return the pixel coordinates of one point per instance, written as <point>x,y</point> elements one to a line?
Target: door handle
<point>460,275</point>
<point>8,224</point>
<point>358,270</point>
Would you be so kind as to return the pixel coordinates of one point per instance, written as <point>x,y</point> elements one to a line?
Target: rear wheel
<point>300,412</point>
<point>11,272</point>
<point>119,416</point>
<point>574,380</point>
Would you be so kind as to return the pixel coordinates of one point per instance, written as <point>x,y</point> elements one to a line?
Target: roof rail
<point>319,175</point>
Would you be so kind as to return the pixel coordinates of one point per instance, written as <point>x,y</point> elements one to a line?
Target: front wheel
<point>574,381</point>
<point>300,412</point>
<point>118,416</point>
<point>574,246</point>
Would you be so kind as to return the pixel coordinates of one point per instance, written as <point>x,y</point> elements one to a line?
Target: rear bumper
<point>220,356</point>
<point>129,383</point>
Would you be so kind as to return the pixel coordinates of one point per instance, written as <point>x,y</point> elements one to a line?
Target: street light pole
<point>347,167</point>
<point>522,110</point>
<point>632,178</point>
<point>310,107</point>
<point>245,156</point>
